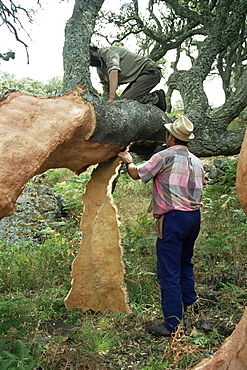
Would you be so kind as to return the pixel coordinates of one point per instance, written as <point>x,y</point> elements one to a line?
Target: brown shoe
<point>159,330</point>
<point>162,100</point>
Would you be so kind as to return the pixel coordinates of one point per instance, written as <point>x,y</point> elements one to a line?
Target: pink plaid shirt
<point>178,178</point>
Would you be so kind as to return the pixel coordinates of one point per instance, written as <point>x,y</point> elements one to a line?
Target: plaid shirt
<point>178,178</point>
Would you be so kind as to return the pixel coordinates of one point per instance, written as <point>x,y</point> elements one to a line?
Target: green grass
<point>35,281</point>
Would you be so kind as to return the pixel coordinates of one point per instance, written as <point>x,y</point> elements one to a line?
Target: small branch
<point>14,31</point>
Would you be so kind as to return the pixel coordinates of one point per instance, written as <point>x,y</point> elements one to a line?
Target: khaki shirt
<point>128,64</point>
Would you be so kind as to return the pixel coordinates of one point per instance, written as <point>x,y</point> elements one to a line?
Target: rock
<point>58,328</point>
<point>213,173</point>
<point>36,211</point>
<point>207,324</point>
<point>218,162</point>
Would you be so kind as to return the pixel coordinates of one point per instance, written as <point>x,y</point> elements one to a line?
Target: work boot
<point>159,330</point>
<point>162,100</point>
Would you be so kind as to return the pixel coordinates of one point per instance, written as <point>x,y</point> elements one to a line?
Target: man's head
<point>94,56</point>
<point>181,129</point>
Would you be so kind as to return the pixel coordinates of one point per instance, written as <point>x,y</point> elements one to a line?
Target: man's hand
<point>131,168</point>
<point>126,157</point>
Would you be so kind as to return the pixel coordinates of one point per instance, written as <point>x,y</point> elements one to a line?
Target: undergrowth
<point>34,282</point>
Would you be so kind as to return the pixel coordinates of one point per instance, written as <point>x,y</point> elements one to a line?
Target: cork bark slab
<point>98,271</point>
<point>241,180</point>
<point>38,133</point>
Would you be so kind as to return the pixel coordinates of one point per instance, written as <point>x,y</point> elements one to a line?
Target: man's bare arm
<point>131,168</point>
<point>113,82</point>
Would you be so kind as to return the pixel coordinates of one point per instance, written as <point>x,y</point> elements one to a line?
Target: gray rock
<point>207,324</point>
<point>211,171</point>
<point>38,212</point>
<point>218,162</point>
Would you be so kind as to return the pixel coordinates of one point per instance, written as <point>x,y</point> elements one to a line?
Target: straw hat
<point>181,128</point>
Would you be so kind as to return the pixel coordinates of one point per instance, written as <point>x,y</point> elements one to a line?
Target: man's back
<point>127,63</point>
<point>178,178</point>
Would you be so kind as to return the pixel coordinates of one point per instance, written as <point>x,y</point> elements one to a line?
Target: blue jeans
<point>174,265</point>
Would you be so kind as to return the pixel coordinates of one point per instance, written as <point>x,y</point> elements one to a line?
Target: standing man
<point>178,178</point>
<point>117,66</point>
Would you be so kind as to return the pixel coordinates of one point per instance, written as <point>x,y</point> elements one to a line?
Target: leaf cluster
<point>18,358</point>
<point>9,82</point>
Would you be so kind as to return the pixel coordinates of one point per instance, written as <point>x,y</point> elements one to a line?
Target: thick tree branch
<point>184,11</point>
<point>234,105</point>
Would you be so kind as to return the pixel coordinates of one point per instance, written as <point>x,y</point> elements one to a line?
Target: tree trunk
<point>78,33</point>
<point>116,123</point>
<point>212,136</point>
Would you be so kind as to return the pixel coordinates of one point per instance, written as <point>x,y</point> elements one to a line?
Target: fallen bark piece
<point>98,269</point>
<point>241,178</point>
<point>232,355</point>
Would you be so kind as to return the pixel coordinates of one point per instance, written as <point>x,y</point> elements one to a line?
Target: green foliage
<point>24,267</point>
<point>29,86</point>
<point>139,244</point>
<point>19,357</point>
<point>224,230</point>
<point>229,174</point>
<point>53,87</point>
<point>71,187</point>
<point>133,236</point>
<point>72,190</point>
<point>14,313</point>
<point>202,339</point>
<point>58,175</point>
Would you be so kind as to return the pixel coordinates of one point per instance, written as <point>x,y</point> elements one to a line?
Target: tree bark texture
<point>41,133</point>
<point>78,33</point>
<point>38,133</point>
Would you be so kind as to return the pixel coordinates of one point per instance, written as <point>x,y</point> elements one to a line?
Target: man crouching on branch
<point>117,66</point>
<point>178,179</point>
